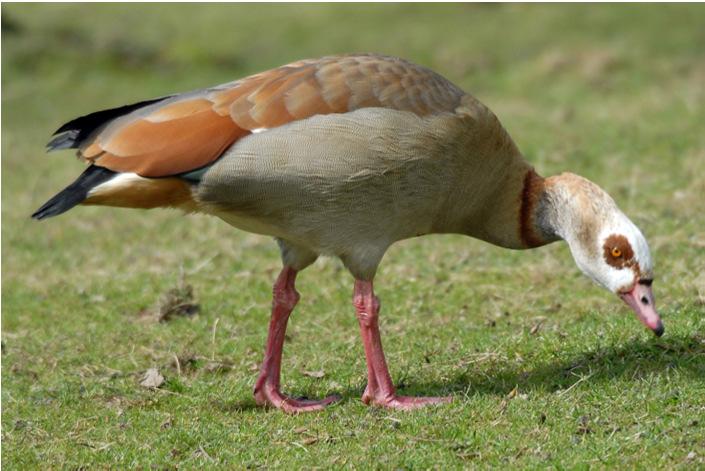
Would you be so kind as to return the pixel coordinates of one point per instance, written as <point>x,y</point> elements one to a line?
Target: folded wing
<point>182,133</point>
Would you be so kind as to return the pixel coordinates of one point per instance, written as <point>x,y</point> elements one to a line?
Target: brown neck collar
<point>534,230</point>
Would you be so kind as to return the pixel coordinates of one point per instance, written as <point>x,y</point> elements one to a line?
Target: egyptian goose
<point>344,156</point>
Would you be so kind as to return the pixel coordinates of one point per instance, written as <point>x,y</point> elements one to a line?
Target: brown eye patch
<point>618,251</point>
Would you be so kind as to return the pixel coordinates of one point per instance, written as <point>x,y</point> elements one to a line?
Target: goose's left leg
<point>380,389</point>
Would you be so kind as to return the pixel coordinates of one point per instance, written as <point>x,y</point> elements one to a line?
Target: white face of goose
<point>619,259</point>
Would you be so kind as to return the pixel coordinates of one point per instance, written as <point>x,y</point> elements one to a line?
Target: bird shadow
<point>636,359</point>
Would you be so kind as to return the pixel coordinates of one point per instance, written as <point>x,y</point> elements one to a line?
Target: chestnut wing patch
<point>186,132</point>
<point>173,139</point>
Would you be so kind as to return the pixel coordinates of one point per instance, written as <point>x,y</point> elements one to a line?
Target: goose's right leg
<point>380,390</point>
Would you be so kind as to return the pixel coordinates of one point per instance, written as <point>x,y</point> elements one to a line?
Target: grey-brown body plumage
<point>350,185</point>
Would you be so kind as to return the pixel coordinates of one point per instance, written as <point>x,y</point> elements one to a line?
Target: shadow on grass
<point>635,359</point>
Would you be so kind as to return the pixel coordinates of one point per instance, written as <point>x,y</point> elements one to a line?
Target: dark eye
<point>646,282</point>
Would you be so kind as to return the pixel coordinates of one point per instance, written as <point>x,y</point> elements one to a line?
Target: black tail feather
<point>75,192</point>
<point>73,133</point>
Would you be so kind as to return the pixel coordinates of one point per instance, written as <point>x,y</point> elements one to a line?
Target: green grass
<point>612,92</point>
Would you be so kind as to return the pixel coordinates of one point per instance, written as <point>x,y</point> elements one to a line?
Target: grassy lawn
<point>547,369</point>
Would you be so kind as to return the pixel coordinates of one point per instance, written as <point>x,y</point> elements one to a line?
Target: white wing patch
<point>118,181</point>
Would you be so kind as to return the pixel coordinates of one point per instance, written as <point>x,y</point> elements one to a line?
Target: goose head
<point>607,246</point>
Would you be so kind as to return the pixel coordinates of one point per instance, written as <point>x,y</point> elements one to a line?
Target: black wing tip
<point>70,126</point>
<point>72,134</point>
<point>64,140</point>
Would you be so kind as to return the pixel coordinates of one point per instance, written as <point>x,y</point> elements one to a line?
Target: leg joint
<point>367,309</point>
<point>284,293</point>
<point>285,297</point>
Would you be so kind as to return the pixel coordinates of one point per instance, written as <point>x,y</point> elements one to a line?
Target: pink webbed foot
<point>392,401</point>
<point>271,396</point>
